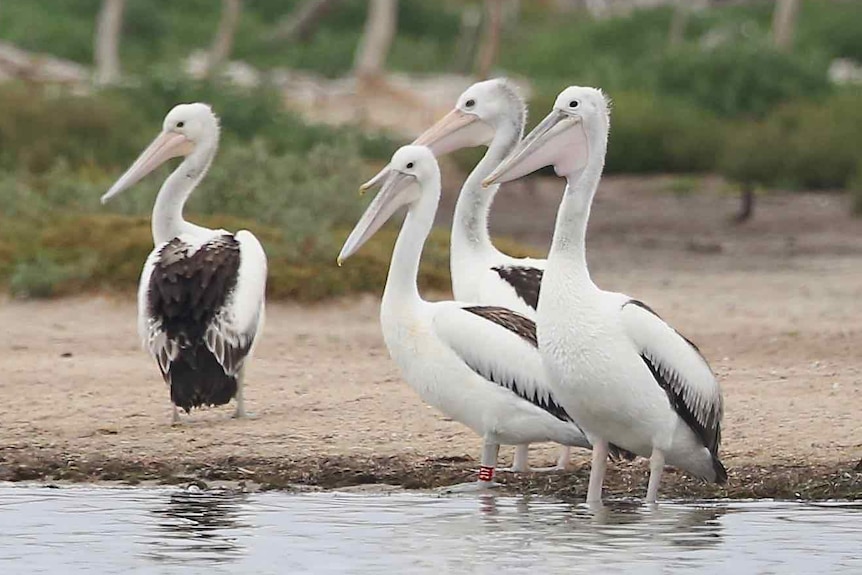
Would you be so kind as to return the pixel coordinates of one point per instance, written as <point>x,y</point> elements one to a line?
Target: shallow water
<point>142,530</point>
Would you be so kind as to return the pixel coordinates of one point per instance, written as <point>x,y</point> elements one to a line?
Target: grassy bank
<point>782,481</point>
<point>83,253</point>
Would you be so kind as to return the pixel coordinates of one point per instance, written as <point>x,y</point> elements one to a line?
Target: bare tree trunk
<point>678,22</point>
<point>223,41</point>
<point>746,207</point>
<point>784,23</point>
<point>107,42</point>
<point>465,49</point>
<point>380,26</point>
<point>490,46</point>
<point>301,23</point>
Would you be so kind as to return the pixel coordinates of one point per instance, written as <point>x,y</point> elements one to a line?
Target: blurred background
<point>727,115</point>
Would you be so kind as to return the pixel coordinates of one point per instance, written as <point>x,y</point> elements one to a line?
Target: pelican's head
<point>187,128</point>
<point>481,110</point>
<point>562,139</point>
<point>402,183</point>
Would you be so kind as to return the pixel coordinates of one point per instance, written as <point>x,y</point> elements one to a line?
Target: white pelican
<point>477,364</point>
<point>490,113</point>
<point>625,375</point>
<point>201,294</point>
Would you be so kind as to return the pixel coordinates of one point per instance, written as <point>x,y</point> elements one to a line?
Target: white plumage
<point>476,364</point>
<point>490,113</point>
<point>235,325</point>
<point>201,293</point>
<point>624,374</point>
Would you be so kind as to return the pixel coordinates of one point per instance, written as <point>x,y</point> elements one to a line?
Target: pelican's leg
<point>597,471</point>
<point>562,461</point>
<point>240,402</point>
<point>490,452</point>
<point>521,463</point>
<point>175,415</point>
<point>565,457</point>
<point>656,467</point>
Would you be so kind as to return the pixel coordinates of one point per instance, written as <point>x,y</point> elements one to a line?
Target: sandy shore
<point>781,329</point>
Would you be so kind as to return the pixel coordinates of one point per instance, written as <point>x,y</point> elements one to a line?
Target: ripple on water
<point>113,530</point>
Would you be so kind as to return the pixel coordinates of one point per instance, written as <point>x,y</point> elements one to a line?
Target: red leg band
<point>486,473</point>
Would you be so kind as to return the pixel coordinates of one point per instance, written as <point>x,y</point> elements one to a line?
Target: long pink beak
<point>166,146</point>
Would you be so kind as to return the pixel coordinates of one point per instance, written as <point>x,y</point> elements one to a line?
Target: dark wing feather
<point>526,329</point>
<point>701,413</point>
<point>525,280</point>
<point>709,429</point>
<point>188,289</point>
<point>189,286</point>
<point>512,321</point>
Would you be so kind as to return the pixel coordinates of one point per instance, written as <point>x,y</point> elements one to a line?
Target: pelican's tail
<point>197,379</point>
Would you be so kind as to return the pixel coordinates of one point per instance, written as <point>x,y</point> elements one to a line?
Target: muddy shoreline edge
<point>783,481</point>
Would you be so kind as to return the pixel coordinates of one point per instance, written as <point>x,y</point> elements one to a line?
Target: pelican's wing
<point>211,290</point>
<point>680,369</point>
<point>525,280</point>
<point>233,331</point>
<point>144,319</point>
<point>499,345</point>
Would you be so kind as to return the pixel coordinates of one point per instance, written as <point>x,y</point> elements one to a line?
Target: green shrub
<point>800,145</point>
<point>41,126</point>
<point>824,142</point>
<point>830,27</point>
<point>756,153</point>
<point>41,277</point>
<point>244,114</point>
<point>165,31</point>
<point>301,195</point>
<point>55,238</point>
<point>556,50</point>
<point>79,253</point>
<point>661,134</point>
<point>297,193</point>
<point>741,78</point>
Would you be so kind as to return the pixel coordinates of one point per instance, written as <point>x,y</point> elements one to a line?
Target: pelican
<point>490,113</point>
<point>477,364</point>
<point>625,375</point>
<point>201,294</point>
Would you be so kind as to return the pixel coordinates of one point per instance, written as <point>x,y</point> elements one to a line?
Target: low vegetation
<point>97,252</point>
<point>720,100</point>
<point>293,185</point>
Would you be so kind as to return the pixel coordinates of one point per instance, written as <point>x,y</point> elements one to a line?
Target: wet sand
<point>775,307</point>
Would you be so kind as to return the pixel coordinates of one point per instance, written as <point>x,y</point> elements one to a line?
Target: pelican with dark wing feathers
<point>477,364</point>
<point>624,374</point>
<point>491,113</point>
<point>201,294</point>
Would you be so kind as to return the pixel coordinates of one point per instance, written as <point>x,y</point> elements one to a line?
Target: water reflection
<point>97,530</point>
<point>201,524</point>
<point>622,524</point>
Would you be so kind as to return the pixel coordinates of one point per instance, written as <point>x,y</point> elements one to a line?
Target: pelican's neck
<point>167,221</point>
<point>470,225</point>
<point>568,249</point>
<point>401,284</point>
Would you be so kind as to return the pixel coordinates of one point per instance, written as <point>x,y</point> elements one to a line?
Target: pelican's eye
<point>410,165</point>
<point>574,104</point>
<point>180,124</point>
<point>470,103</point>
